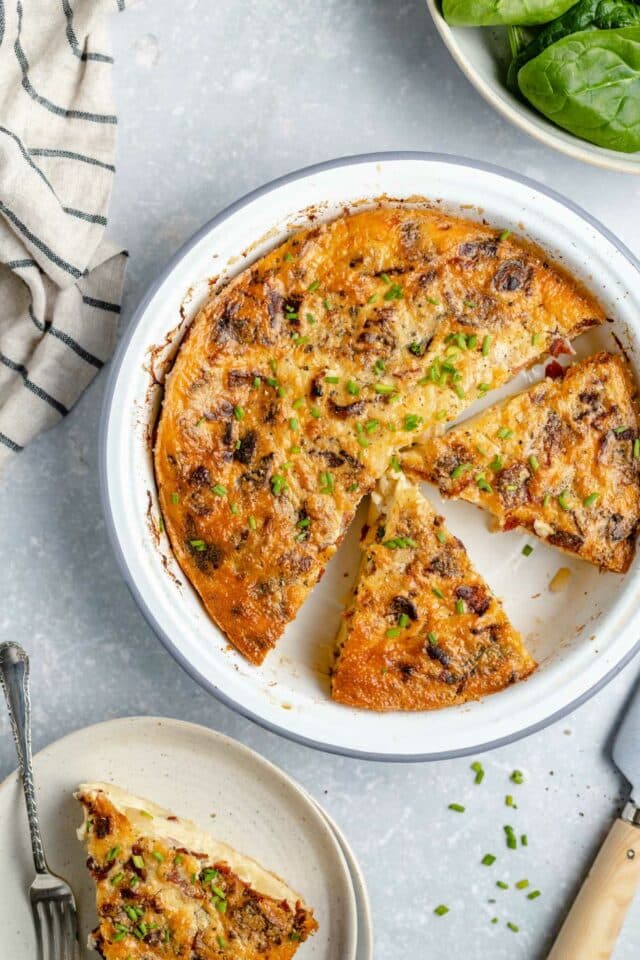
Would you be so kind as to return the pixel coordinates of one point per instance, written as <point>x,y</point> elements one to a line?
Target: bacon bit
<point>559,346</point>
<point>554,370</point>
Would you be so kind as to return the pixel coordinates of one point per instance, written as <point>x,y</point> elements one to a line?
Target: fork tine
<point>56,938</point>
<point>69,931</point>
<point>40,938</point>
<point>43,924</point>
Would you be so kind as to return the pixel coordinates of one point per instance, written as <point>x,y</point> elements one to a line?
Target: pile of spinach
<point>578,63</point>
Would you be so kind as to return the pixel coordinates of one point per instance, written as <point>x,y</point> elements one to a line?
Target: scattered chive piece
<point>293,423</point>
<point>509,801</point>
<point>434,301</point>
<point>469,304</point>
<point>326,305</point>
<point>278,484</point>
<point>159,856</point>
<point>504,235</point>
<point>533,895</point>
<point>517,776</point>
<point>512,840</point>
<point>395,463</point>
<point>297,403</point>
<point>332,379</point>
<point>175,498</point>
<point>522,884</point>
<point>502,885</point>
<point>636,448</point>
<point>315,413</point>
<point>460,469</point>
<point>562,500</point>
<point>461,606</point>
<point>219,490</point>
<point>441,910</point>
<point>433,640</point>
<point>352,487</point>
<point>619,430</point>
<point>496,464</point>
<point>459,391</point>
<point>313,286</point>
<point>488,860</point>
<point>484,484</point>
<point>385,277</point>
<point>483,387</point>
<point>404,620</point>
<point>590,500</point>
<point>486,345</point>
<point>235,509</point>
<point>137,861</point>
<point>222,943</point>
<point>478,769</point>
<point>384,388</point>
<point>311,318</point>
<point>527,550</point>
<point>535,337</point>
<point>238,413</point>
<point>353,388</point>
<point>113,853</point>
<point>457,807</point>
<point>441,414</point>
<point>179,857</point>
<point>504,433</point>
<point>494,919</point>
<point>393,632</point>
<point>534,463</point>
<point>256,382</point>
<point>200,422</point>
<point>441,536</point>
<point>326,482</point>
<point>412,421</point>
<point>252,522</point>
<point>294,936</point>
<point>199,545</point>
<point>395,292</point>
<point>379,366</point>
<point>547,500</point>
<point>438,593</point>
<point>116,880</point>
<point>513,926</point>
<point>524,840</point>
<point>288,255</point>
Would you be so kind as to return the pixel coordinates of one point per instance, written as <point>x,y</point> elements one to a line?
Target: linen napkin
<point>60,281</point>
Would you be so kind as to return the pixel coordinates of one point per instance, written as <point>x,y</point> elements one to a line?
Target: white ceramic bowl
<point>482,53</point>
<point>581,637</point>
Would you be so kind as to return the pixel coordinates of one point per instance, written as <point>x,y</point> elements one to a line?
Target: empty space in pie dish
<point>579,635</point>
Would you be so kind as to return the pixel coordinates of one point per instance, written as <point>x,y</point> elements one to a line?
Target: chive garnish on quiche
<point>166,890</point>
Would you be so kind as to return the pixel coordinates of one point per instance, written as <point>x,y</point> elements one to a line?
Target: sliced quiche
<point>299,381</point>
<point>165,889</point>
<point>561,460</point>
<point>423,629</point>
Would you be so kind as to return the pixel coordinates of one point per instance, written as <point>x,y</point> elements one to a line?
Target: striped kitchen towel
<point>60,281</point>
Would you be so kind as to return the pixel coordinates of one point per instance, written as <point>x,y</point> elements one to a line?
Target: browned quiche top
<point>423,630</point>
<point>299,382</point>
<point>166,890</point>
<point>561,459</point>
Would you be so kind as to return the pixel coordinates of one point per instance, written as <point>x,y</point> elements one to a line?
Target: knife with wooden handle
<point>591,929</point>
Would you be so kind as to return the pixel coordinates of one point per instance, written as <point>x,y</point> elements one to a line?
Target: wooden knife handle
<point>591,929</point>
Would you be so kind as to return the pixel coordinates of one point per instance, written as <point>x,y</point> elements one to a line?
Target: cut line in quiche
<point>165,889</point>
<point>561,460</point>
<point>423,629</point>
<point>300,381</point>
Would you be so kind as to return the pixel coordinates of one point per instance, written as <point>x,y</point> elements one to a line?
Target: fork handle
<point>14,677</point>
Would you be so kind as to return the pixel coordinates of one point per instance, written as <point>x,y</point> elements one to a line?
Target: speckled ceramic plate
<point>225,787</point>
<point>581,637</point>
<point>482,53</point>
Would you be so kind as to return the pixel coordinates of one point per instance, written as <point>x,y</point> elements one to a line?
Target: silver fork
<point>52,901</point>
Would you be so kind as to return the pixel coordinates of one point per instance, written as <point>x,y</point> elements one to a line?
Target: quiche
<point>165,889</point>
<point>423,630</point>
<point>561,459</point>
<point>299,382</point>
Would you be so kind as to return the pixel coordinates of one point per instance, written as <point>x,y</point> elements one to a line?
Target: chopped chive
<point>457,807</point>
<point>371,425</point>
<point>502,885</point>
<point>310,318</point>
<point>394,463</point>
<point>459,391</point>
<point>527,550</point>
<point>512,840</point>
<point>509,801</point>
<point>385,277</point>
<point>137,861</point>
<point>222,943</point>
<point>326,305</point>
<point>513,926</point>
<point>524,840</point>
<point>384,388</point>
<point>313,286</point>
<point>486,345</point>
<point>535,338</point>
<point>199,545</point>
<point>521,884</point>
<point>278,484</point>
<point>504,433</point>
<point>412,421</point>
<point>113,853</point>
<point>504,235</point>
<point>175,498</point>
<point>332,379</point>
<point>478,769</point>
<point>483,387</point>
<point>327,483</point>
<point>461,606</point>
<point>352,488</point>
<point>619,430</point>
<point>297,403</point>
<point>315,413</point>
<point>460,469</point>
<point>469,304</point>
<point>517,776</point>
<point>353,388</point>
<point>158,856</point>
<point>496,464</point>
<point>219,490</point>
<point>117,879</point>
<point>238,413</point>
<point>441,536</point>
<point>488,860</point>
<point>179,857</point>
<point>200,421</point>
<point>441,910</point>
<point>395,292</point>
<point>288,255</point>
<point>393,632</point>
<point>293,423</point>
<point>563,501</point>
<point>379,366</point>
<point>590,500</point>
<point>256,382</point>
<point>494,919</point>
<point>404,620</point>
<point>437,593</point>
<point>372,298</point>
<point>299,340</point>
<point>441,414</point>
<point>483,484</point>
<point>534,463</point>
<point>434,301</point>
<point>471,341</point>
<point>433,640</point>
<point>252,522</point>
<point>533,895</point>
<point>636,448</point>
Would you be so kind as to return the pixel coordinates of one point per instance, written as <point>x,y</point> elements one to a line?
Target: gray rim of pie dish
<point>108,400</point>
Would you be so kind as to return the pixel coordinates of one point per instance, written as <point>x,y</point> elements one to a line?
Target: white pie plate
<point>226,788</point>
<point>581,637</point>
<point>482,53</point>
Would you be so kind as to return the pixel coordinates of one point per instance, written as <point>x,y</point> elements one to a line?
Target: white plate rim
<point>590,153</point>
<point>110,523</point>
<point>321,820</point>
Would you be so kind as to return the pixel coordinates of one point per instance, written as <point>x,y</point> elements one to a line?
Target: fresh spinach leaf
<point>487,13</point>
<point>585,14</point>
<point>589,83</point>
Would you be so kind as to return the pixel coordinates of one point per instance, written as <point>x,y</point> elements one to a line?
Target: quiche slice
<point>298,382</point>
<point>561,459</point>
<point>165,889</point>
<point>423,629</point>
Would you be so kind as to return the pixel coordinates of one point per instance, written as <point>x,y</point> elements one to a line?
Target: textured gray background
<point>214,99</point>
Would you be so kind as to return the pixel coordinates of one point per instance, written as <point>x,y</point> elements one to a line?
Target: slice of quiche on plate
<point>166,889</point>
<point>423,629</point>
<point>561,459</point>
